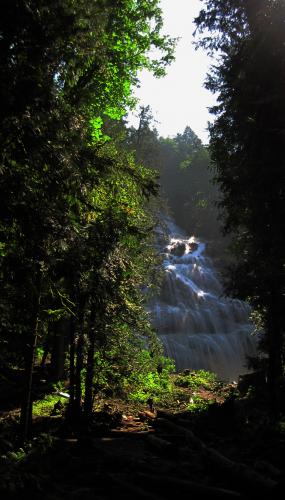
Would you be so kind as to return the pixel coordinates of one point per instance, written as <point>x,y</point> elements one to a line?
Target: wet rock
<point>193,247</point>
<point>178,249</point>
<point>256,380</point>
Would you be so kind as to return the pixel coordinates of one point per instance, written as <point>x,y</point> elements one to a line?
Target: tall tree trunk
<point>274,334</point>
<point>44,356</point>
<point>253,8</point>
<point>30,350</point>
<point>275,369</point>
<point>79,356</point>
<point>59,349</point>
<point>72,367</point>
<point>88,400</point>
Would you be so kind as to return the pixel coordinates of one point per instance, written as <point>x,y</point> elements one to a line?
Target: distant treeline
<point>185,175</point>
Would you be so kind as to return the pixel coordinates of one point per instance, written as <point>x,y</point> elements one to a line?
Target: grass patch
<point>51,404</point>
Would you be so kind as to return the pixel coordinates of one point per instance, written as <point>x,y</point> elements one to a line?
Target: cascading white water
<point>198,326</point>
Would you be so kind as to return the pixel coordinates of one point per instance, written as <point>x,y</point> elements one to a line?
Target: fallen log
<point>126,486</point>
<point>245,477</point>
<point>178,429</point>
<point>160,445</point>
<point>171,485</point>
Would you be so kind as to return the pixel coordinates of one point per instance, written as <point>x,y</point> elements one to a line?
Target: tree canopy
<point>73,215</point>
<point>185,177</point>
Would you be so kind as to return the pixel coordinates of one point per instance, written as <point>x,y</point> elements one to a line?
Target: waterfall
<point>198,326</point>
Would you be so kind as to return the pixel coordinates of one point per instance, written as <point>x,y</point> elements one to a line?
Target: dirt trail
<point>150,457</point>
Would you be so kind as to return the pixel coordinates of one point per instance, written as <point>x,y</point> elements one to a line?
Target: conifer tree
<point>65,67</point>
<point>247,149</point>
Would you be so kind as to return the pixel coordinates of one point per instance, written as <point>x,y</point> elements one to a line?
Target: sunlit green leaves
<point>96,129</point>
<point>73,202</point>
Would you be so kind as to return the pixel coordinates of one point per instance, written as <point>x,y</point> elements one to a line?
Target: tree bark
<point>88,401</point>
<point>58,353</point>
<point>30,350</point>
<point>79,357</point>
<point>71,367</point>
<point>275,369</point>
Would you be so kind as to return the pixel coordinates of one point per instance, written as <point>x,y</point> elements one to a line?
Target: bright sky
<point>179,99</point>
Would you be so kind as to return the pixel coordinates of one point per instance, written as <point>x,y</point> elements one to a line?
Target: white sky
<point>179,99</point>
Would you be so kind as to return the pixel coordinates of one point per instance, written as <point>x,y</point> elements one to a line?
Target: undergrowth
<point>51,404</point>
<point>151,380</point>
<point>197,379</point>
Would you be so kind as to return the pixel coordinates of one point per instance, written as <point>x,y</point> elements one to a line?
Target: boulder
<point>178,249</point>
<point>193,247</point>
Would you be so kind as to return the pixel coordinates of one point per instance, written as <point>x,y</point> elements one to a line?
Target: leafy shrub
<point>198,404</point>
<point>151,378</point>
<point>197,379</point>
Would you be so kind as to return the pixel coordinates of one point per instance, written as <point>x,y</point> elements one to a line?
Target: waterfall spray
<point>199,327</point>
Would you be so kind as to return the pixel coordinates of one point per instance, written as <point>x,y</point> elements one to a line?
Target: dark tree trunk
<point>58,352</point>
<point>253,9</point>
<point>275,369</point>
<point>79,356</point>
<point>44,356</point>
<point>30,350</point>
<point>72,367</point>
<point>88,400</point>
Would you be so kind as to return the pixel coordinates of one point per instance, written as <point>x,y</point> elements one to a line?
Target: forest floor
<point>227,447</point>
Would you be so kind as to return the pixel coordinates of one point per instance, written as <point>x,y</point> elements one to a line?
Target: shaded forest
<point>81,368</point>
<point>73,220</point>
<point>185,176</point>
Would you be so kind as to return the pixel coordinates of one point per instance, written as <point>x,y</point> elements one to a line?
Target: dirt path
<point>149,458</point>
<point>135,452</point>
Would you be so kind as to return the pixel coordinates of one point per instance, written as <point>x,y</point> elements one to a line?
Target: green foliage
<point>73,203</point>
<point>150,378</point>
<point>18,467</point>
<point>183,165</point>
<point>105,374</point>
<point>40,444</point>
<point>16,456</point>
<point>45,406</point>
<point>248,151</point>
<point>185,170</point>
<point>198,404</point>
<point>197,379</point>
<point>39,354</point>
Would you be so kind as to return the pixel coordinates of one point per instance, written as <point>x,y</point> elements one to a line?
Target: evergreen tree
<point>247,148</point>
<point>66,66</point>
<point>184,175</point>
<point>186,181</point>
